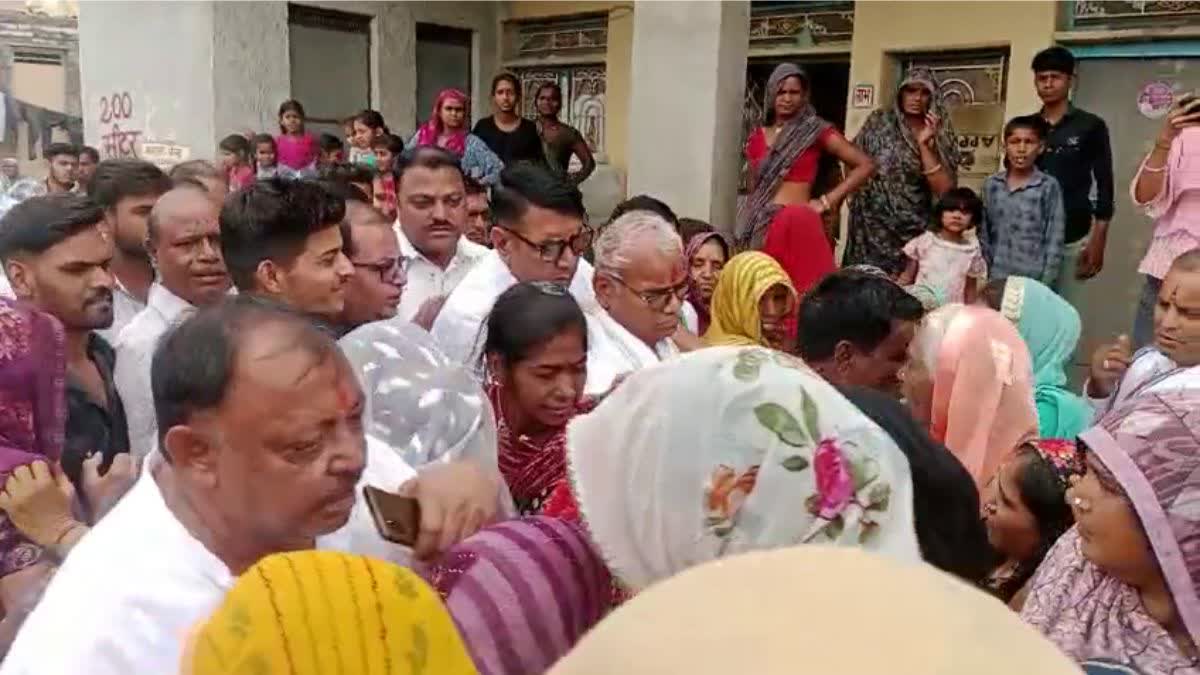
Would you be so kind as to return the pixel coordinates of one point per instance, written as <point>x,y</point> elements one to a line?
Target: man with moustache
<point>539,235</point>
<point>282,240</point>
<point>126,189</point>
<point>1171,362</point>
<point>431,201</point>
<point>370,243</point>
<point>261,434</point>
<point>57,256</point>
<point>184,243</point>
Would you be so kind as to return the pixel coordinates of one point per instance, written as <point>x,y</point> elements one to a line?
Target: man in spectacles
<point>640,285</point>
<point>539,235</point>
<point>374,292</point>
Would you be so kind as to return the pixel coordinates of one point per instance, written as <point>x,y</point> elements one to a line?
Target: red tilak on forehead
<point>345,397</point>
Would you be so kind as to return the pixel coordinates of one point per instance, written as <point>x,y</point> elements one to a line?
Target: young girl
<point>387,149</point>
<point>1025,510</point>
<point>368,125</point>
<point>234,160</point>
<point>265,157</point>
<point>295,148</point>
<point>948,260</point>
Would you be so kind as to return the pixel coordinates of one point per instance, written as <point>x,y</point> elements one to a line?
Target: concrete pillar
<point>688,78</point>
<point>197,70</point>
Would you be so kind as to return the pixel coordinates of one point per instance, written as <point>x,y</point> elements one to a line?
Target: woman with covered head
<point>781,216</point>
<point>706,253</point>
<point>1050,327</point>
<point>968,378</point>
<point>916,154</point>
<point>754,304</point>
<point>449,128</point>
<point>1122,584</point>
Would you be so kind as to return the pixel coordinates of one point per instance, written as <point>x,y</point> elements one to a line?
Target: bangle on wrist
<point>63,535</point>
<point>1162,146</point>
<point>825,202</point>
<point>930,172</point>
<point>1154,169</point>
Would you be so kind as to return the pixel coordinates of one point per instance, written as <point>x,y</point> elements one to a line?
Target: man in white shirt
<point>375,290</point>
<point>1172,362</point>
<point>431,203</point>
<point>127,189</point>
<point>260,425</point>
<point>539,235</point>
<point>282,240</point>
<point>184,242</point>
<point>640,283</point>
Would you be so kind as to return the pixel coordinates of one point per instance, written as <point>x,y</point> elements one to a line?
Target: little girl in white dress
<point>948,259</point>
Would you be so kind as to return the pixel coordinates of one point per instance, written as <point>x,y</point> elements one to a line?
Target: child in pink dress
<point>295,148</point>
<point>233,157</point>
<point>948,259</point>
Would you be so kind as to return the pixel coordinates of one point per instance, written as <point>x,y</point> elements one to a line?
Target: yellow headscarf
<point>745,279</point>
<point>320,612</point>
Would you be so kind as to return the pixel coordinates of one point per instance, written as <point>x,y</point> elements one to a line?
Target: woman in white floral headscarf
<point>729,450</point>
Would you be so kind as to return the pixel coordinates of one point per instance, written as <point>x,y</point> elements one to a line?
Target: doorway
<point>1109,85</point>
<point>443,61</point>
<point>330,54</point>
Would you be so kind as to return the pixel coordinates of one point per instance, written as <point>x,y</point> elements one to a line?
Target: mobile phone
<point>398,519</point>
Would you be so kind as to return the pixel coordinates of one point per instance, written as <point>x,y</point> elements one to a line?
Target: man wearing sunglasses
<point>539,235</point>
<point>640,285</point>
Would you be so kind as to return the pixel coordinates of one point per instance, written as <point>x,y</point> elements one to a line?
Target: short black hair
<point>428,157</point>
<point>525,184</point>
<point>38,223</point>
<point>371,119</point>
<point>507,77</point>
<point>345,172</point>
<point>549,84</point>
<point>55,149</point>
<point>193,364</point>
<point>236,144</point>
<point>117,179</point>
<point>959,199</point>
<point>1057,58</point>
<point>89,151</point>
<point>348,192</point>
<point>393,143</point>
<point>690,227</point>
<point>271,220</point>
<point>527,316</point>
<point>473,186</point>
<point>945,500</point>
<point>646,203</point>
<point>260,139</point>
<point>1034,123</point>
<point>330,143</point>
<point>852,306</point>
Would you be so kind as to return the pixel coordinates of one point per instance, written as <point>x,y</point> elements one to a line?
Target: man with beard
<point>63,161</point>
<point>512,137</point>
<point>369,241</point>
<point>261,433</point>
<point>854,330</point>
<point>57,255</point>
<point>126,189</point>
<point>89,159</point>
<point>282,240</point>
<point>539,235</point>
<point>432,202</point>
<point>184,242</point>
<point>1171,362</point>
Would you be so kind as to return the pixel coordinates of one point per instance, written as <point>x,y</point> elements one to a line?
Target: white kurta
<point>1150,371</point>
<point>136,585</point>
<point>459,326</point>
<point>426,280</point>
<point>613,351</point>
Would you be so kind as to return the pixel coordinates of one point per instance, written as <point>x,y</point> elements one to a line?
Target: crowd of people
<point>402,408</point>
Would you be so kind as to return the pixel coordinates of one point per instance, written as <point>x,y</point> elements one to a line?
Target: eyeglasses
<point>551,251</point>
<point>390,270</point>
<point>658,299</point>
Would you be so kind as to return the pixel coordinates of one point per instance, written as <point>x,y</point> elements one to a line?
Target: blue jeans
<point>1143,322</point>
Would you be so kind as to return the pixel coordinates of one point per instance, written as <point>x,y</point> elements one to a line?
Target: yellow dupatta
<point>318,612</point>
<point>745,279</point>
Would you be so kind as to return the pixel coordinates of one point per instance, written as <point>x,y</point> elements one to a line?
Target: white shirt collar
<point>464,250</point>
<point>166,303</point>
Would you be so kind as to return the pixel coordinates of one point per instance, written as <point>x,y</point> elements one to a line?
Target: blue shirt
<point>1023,229</point>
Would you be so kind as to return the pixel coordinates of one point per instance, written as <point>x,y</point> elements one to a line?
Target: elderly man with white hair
<point>640,283</point>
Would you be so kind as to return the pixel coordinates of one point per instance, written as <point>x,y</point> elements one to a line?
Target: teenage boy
<point>1077,153</point>
<point>1022,232</point>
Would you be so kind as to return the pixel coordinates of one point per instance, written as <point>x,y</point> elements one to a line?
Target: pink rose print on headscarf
<point>835,484</point>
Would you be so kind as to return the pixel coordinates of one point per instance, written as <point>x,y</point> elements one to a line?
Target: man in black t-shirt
<point>1077,153</point>
<point>512,137</point>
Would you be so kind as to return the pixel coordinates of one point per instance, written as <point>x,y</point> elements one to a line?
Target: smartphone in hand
<point>398,519</point>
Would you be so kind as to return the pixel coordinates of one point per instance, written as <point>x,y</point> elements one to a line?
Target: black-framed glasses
<point>390,270</point>
<point>551,251</point>
<point>657,299</point>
